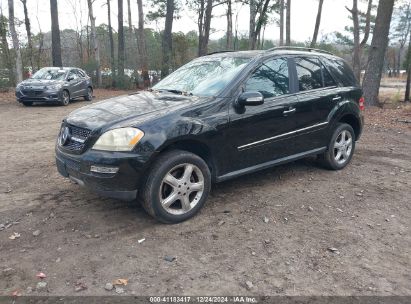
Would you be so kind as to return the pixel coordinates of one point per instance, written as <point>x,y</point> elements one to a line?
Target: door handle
<point>289,111</point>
<point>336,98</point>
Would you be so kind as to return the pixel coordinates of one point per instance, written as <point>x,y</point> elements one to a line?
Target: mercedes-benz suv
<point>218,117</point>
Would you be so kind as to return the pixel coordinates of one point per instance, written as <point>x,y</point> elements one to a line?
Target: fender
<point>346,107</point>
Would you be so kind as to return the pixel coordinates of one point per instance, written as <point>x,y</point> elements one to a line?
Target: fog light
<point>100,169</point>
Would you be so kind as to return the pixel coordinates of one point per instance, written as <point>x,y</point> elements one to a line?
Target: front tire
<point>89,96</point>
<point>176,187</point>
<point>340,149</point>
<point>27,103</point>
<point>65,98</point>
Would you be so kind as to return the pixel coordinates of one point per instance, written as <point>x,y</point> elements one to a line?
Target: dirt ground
<point>296,229</point>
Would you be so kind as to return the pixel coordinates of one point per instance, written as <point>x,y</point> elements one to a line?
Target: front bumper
<point>32,95</point>
<point>120,185</point>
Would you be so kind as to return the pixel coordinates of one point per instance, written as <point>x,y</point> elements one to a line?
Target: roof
<point>60,68</point>
<point>277,50</point>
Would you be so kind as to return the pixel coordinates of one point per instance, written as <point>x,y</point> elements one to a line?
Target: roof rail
<point>298,48</point>
<point>224,51</point>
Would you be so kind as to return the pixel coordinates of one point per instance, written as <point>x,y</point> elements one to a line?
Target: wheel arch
<point>194,146</point>
<point>353,121</point>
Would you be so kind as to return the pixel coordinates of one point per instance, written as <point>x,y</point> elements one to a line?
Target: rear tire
<point>340,149</point>
<point>65,98</point>
<point>89,96</point>
<point>166,193</point>
<point>27,103</point>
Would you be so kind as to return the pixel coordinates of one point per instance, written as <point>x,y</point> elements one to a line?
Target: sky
<point>303,14</point>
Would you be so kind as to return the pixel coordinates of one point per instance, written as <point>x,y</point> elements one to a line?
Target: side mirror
<point>70,78</point>
<point>253,98</point>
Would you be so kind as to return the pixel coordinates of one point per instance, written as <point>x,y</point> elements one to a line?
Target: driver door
<point>261,133</point>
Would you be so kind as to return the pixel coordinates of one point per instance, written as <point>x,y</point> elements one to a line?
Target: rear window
<point>309,73</point>
<point>341,71</point>
<point>328,79</point>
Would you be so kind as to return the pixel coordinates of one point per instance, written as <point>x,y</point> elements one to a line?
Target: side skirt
<point>269,164</point>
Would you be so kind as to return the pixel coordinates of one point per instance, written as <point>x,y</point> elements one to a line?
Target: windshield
<point>204,76</point>
<point>50,74</point>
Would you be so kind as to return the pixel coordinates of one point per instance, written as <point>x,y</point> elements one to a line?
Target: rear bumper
<point>120,185</point>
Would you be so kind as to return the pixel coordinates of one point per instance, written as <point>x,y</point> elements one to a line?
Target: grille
<point>32,93</point>
<point>80,133</point>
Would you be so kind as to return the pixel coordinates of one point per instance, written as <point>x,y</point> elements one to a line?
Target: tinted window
<point>328,80</point>
<point>271,79</point>
<point>73,75</point>
<point>309,73</point>
<point>341,70</point>
<point>81,73</point>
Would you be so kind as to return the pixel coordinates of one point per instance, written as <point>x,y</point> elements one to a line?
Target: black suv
<point>215,118</point>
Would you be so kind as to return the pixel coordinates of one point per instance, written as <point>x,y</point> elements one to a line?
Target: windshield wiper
<point>180,92</point>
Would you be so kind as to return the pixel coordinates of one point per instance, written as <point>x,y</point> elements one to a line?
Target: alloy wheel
<point>66,98</point>
<point>90,93</point>
<point>181,189</point>
<point>343,147</point>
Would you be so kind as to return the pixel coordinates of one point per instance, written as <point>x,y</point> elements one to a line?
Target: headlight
<point>55,87</point>
<point>123,139</point>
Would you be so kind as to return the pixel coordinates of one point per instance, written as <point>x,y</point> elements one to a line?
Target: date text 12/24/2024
<point>205,299</point>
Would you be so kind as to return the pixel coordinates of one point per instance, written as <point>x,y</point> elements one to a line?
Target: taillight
<point>361,103</point>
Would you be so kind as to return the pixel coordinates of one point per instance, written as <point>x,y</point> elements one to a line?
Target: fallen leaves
<point>14,236</point>
<point>41,275</point>
<point>120,282</point>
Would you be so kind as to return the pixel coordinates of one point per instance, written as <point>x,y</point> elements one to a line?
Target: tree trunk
<point>317,23</point>
<point>229,44</point>
<point>408,85</point>
<point>129,39</point>
<point>260,21</point>
<point>200,24</point>
<point>28,31</point>
<point>112,56</point>
<point>357,50</point>
<point>251,34</point>
<point>359,46</point>
<point>40,50</point>
<point>130,23</point>
<point>55,35</point>
<point>16,46</point>
<point>281,22</point>
<point>203,47</point>
<point>167,39</point>
<point>288,24</point>
<point>5,45</point>
<point>142,45</point>
<point>373,73</point>
<point>120,44</point>
<point>94,42</point>
<point>367,25</point>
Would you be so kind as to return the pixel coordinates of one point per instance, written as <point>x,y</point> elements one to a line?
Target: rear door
<point>318,94</point>
<point>261,133</point>
<point>74,83</point>
<point>83,83</point>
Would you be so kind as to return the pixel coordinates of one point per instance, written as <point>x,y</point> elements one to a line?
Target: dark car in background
<point>55,85</point>
<point>216,118</point>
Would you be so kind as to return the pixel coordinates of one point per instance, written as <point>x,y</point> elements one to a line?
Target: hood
<point>39,82</point>
<point>128,110</point>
